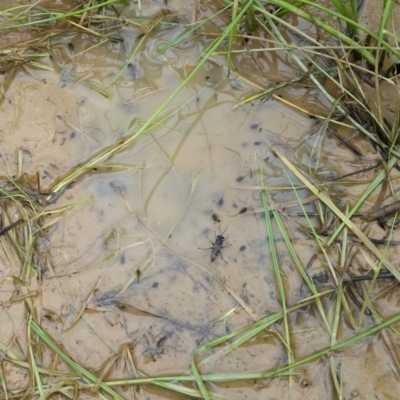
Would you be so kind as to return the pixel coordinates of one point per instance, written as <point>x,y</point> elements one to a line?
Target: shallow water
<point>129,268</point>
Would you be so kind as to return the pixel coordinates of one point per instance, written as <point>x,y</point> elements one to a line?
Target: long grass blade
<point>278,276</point>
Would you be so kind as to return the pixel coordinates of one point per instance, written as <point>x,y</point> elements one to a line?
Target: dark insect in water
<point>217,245</point>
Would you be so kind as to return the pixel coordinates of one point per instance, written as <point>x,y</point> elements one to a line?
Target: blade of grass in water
<point>336,317</point>
<point>349,10</point>
<point>335,327</point>
<point>278,276</point>
<point>251,20</point>
<point>380,53</point>
<point>198,378</point>
<point>3,381</point>
<point>34,368</point>
<point>232,35</point>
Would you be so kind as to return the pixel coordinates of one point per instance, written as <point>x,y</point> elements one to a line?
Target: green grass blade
<point>34,368</point>
<point>198,379</point>
<point>278,275</point>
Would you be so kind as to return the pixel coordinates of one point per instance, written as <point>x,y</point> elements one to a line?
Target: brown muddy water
<point>128,270</point>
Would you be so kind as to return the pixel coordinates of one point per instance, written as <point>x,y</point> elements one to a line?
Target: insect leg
<point>220,252</point>
<point>210,240</point>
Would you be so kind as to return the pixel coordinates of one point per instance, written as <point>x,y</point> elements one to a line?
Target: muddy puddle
<point>123,279</point>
